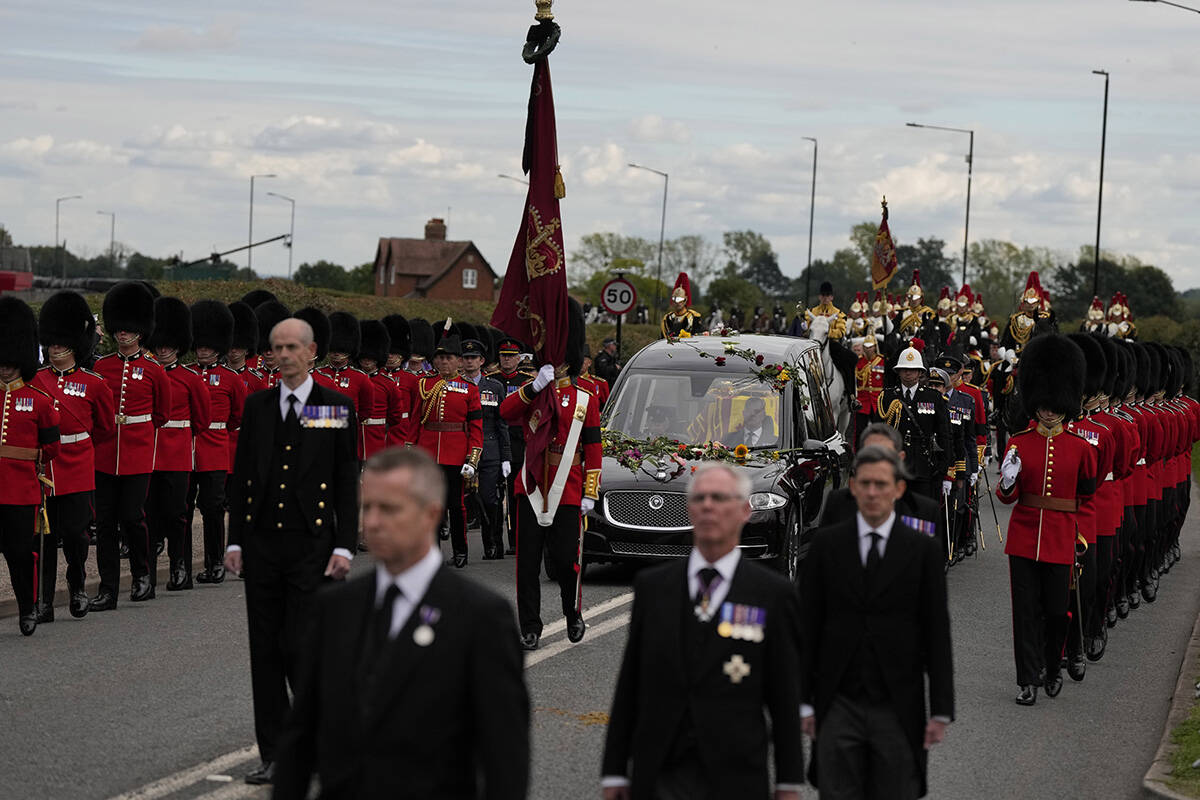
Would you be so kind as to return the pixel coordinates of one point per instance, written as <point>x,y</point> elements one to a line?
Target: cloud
<point>180,39</point>
<point>653,128</point>
<point>310,132</point>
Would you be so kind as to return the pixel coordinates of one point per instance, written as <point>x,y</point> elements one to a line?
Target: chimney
<point>435,230</point>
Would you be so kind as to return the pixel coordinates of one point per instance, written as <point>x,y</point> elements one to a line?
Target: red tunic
<point>597,386</point>
<point>584,478</point>
<point>85,409</point>
<point>406,433</point>
<point>254,381</point>
<point>142,395</point>
<point>389,413</point>
<point>28,435</point>
<point>1111,493</point>
<point>270,378</point>
<point>1058,469</point>
<point>226,399</point>
<point>868,379</point>
<point>1092,507</point>
<point>357,385</point>
<point>175,447</point>
<point>450,425</point>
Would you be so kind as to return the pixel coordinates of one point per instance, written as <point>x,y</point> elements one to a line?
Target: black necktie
<point>873,557</point>
<point>708,580</point>
<point>383,616</point>
<point>291,418</point>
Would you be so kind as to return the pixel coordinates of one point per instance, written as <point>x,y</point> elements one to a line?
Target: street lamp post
<point>112,237</point>
<point>970,168</point>
<point>250,240</point>
<point>1168,3</point>
<point>812,204</point>
<point>57,248</point>
<point>292,233</point>
<point>511,178</point>
<point>1100,193</point>
<point>661,230</point>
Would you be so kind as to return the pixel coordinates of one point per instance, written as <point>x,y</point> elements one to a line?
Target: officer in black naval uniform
<point>923,420</point>
<point>513,376</point>
<point>293,520</point>
<point>605,365</point>
<point>496,459</point>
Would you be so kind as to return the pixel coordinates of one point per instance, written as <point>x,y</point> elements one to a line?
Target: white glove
<point>1010,468</point>
<point>974,477</point>
<point>544,377</point>
<point>468,471</point>
<point>506,468</point>
<point>586,505</point>
<point>946,487</point>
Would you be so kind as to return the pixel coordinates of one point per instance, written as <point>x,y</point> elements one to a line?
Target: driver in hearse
<point>757,428</point>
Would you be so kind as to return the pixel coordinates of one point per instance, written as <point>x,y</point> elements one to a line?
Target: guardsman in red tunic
<point>1046,472</point>
<point>450,428</point>
<point>212,334</point>
<point>317,320</point>
<point>389,411</point>
<point>1125,408</point>
<point>175,450</point>
<point>421,345</point>
<point>568,483</point>
<point>28,439</point>
<point>67,331</point>
<point>124,462</point>
<point>269,314</point>
<point>868,381</point>
<point>400,343</point>
<point>594,383</point>
<point>252,300</point>
<point>245,341</point>
<point>344,343</point>
<point>1138,582</point>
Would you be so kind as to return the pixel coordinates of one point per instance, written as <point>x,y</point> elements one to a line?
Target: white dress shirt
<point>865,531</point>
<point>753,438</point>
<point>413,582</point>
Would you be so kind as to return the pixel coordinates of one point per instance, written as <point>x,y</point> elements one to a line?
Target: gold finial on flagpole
<point>543,10</point>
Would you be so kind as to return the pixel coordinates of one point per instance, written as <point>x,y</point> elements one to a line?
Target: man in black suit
<point>712,645</point>
<point>874,626</point>
<point>293,520</point>
<point>757,429</point>
<point>413,686</point>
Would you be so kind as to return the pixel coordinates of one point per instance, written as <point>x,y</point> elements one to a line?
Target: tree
<point>145,267</point>
<point>323,275</point>
<point>998,270</point>
<point>597,252</point>
<point>928,256</point>
<point>752,258</point>
<point>361,279</point>
<point>846,272</point>
<point>692,254</point>
<point>730,291</point>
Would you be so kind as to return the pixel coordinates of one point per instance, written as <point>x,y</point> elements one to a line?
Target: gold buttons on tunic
<point>321,504</point>
<point>281,505</point>
<point>283,486</point>
<point>248,518</point>
<point>319,523</point>
<point>285,467</point>
<point>278,524</point>
<point>323,487</point>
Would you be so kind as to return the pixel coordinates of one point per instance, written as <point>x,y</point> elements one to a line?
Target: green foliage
<point>847,272</point>
<point>327,275</point>
<point>928,256</point>
<point>999,269</point>
<point>589,291</point>
<point>1148,288</point>
<point>604,253</point>
<point>751,257</point>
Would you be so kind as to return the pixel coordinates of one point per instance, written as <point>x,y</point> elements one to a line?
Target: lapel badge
<point>423,635</point>
<point>736,668</point>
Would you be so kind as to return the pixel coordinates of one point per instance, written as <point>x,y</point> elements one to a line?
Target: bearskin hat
<point>245,327</point>
<point>322,332</point>
<point>18,336</point>
<point>484,334</point>
<point>1127,370</point>
<point>256,297</point>
<point>421,339</point>
<point>172,325</point>
<point>1174,372</point>
<point>1051,375</point>
<point>212,325</point>
<point>398,334</point>
<point>269,314</point>
<point>1094,361</point>
<point>374,342</point>
<point>1158,367</point>
<point>1142,378</point>
<point>576,337</point>
<point>1112,365</point>
<point>1189,371</point>
<point>441,330</point>
<point>66,320</point>
<point>129,306</point>
<point>345,336</point>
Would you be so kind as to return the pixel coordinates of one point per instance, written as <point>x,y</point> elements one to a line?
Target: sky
<point>377,116</point>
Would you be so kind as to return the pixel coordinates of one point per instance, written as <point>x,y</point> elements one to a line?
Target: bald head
<point>294,349</point>
<point>293,328</point>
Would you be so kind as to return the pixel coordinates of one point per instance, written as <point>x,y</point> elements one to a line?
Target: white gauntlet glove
<point>946,487</point>
<point>1010,468</point>
<point>468,471</point>
<point>586,505</point>
<point>506,468</point>
<point>544,377</point>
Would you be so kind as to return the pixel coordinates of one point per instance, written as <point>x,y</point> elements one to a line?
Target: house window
<point>470,278</point>
<point>393,273</point>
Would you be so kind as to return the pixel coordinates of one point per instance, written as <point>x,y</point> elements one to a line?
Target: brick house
<point>433,267</point>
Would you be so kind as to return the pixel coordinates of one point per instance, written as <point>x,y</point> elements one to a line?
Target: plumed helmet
<point>66,320</point>
<point>374,341</point>
<point>129,306</point>
<point>18,336</point>
<point>421,337</point>
<point>1051,375</point>
<point>682,291</point>
<point>322,333</point>
<point>172,325</point>
<point>1095,363</point>
<point>245,327</point>
<point>1032,296</point>
<point>915,292</point>
<point>256,297</point>
<point>576,338</point>
<point>212,325</point>
<point>398,334</point>
<point>269,314</point>
<point>345,336</point>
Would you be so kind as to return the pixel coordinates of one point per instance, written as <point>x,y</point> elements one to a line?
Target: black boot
<point>141,589</point>
<point>45,613</point>
<point>80,605</point>
<point>1027,696</point>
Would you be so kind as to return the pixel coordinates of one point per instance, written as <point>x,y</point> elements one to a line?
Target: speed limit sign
<point>618,296</point>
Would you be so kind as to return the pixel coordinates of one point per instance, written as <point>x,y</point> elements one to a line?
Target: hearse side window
<point>819,416</point>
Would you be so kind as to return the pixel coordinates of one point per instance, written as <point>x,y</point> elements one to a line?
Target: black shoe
<point>575,630</point>
<point>104,601</point>
<point>510,551</point>
<point>489,554</point>
<point>79,604</point>
<point>1097,645</point>
<point>1077,667</point>
<point>1135,600</point>
<point>216,573</point>
<point>45,613</point>
<point>141,590</point>
<point>124,550</point>
<point>529,641</point>
<point>1053,684</point>
<point>264,775</point>
<point>444,533</point>
<point>203,576</point>
<point>180,579</point>
<point>460,560</point>
<point>28,624</point>
<point>1149,591</point>
<point>159,546</point>
<point>1027,696</point>
<point>1110,616</point>
<point>1122,607</point>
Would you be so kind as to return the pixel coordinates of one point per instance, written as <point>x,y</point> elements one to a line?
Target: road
<point>153,700</point>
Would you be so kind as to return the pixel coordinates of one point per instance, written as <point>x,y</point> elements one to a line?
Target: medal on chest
<point>137,373</point>
<point>23,404</point>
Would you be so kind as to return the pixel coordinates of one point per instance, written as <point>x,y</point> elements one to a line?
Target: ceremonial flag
<point>883,256</point>
<point>533,299</point>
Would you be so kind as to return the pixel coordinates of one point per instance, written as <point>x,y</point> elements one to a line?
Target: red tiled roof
<point>425,259</point>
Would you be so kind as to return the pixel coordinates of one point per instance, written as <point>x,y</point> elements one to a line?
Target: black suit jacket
<point>841,506</point>
<point>766,436</point>
<point>927,443</point>
<point>653,688</point>
<point>441,717</point>
<point>328,469</point>
<point>903,622</point>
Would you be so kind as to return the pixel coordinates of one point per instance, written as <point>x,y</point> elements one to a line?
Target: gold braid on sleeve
<point>591,484</point>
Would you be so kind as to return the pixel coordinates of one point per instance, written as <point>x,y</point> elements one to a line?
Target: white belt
<point>72,438</point>
<point>217,426</point>
<point>132,419</point>
<point>374,421</point>
<point>1108,477</point>
<point>1141,461</point>
<point>178,423</point>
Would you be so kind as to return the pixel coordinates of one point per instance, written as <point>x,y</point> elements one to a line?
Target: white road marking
<point>190,776</point>
<point>593,631</point>
<point>220,778</point>
<point>560,625</point>
<point>236,790</point>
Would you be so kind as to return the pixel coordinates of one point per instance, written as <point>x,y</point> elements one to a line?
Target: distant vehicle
<point>668,389</point>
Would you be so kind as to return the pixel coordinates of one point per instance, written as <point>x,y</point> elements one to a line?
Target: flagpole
<point>812,204</point>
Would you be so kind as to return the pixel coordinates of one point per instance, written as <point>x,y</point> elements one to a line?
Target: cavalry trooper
<point>963,465</point>
<point>67,332</point>
<point>923,421</point>
<point>345,340</point>
<point>914,314</point>
<point>175,446</point>
<point>212,333</point>
<point>124,462</point>
<point>512,375</point>
<point>565,486</point>
<point>1028,318</point>
<point>681,319</point>
<point>268,314</point>
<point>826,308</point>
<point>450,428</point>
<point>399,346</point>
<point>390,410</point>
<point>1095,318</point>
<point>1046,472</point>
<point>496,458</point>
<point>28,439</point>
<point>868,383</point>
<point>966,325</point>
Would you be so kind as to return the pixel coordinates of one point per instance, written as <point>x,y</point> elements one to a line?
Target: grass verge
<point>1186,738</point>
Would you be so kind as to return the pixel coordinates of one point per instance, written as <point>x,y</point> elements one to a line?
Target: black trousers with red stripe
<point>16,532</point>
<point>121,499</point>
<point>207,492</point>
<point>560,542</point>
<point>455,508</point>
<point>1040,597</point>
<point>166,513</point>
<point>70,515</point>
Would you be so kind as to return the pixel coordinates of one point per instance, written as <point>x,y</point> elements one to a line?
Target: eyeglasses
<point>717,497</point>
